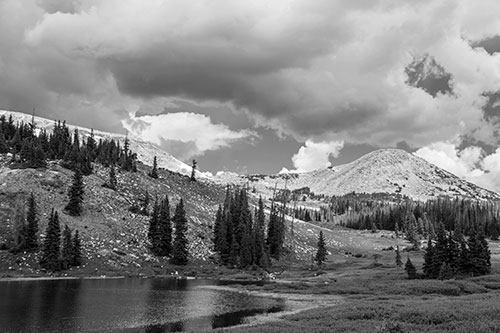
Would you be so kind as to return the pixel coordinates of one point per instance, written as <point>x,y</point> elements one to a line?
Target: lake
<point>124,305</point>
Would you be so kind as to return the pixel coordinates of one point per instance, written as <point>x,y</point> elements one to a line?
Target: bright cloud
<point>184,134</point>
<point>315,155</point>
<point>470,163</point>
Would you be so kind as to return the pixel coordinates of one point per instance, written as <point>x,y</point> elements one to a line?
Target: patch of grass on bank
<point>470,313</point>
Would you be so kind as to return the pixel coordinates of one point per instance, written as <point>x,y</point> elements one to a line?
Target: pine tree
<point>259,234</point>
<point>429,267</point>
<point>77,250</point>
<point>154,172</point>
<point>153,227</point>
<point>50,259</point>
<point>31,231</point>
<point>193,170</point>
<point>67,248</point>
<point>410,269</point>
<point>179,250</point>
<point>164,229</point>
<point>4,148</point>
<point>75,194</point>
<point>399,262</point>
<point>217,229</point>
<point>321,253</point>
<point>112,183</point>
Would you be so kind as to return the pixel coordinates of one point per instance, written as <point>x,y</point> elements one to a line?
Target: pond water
<point>124,305</point>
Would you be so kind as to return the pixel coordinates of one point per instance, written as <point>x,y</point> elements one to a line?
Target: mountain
<point>381,171</point>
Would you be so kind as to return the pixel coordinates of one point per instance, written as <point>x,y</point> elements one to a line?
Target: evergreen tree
<point>77,250</point>
<point>321,253</point>
<point>193,170</point>
<point>154,172</point>
<point>399,262</point>
<point>217,229</point>
<point>153,226</point>
<point>410,269</point>
<point>4,148</point>
<point>31,231</point>
<point>429,267</point>
<point>67,248</point>
<point>179,250</point>
<point>259,234</point>
<point>75,194</point>
<point>164,229</point>
<point>50,259</point>
<point>480,263</point>
<point>112,183</point>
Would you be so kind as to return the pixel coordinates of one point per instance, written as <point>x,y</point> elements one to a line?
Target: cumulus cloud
<point>315,155</point>
<point>184,134</point>
<point>471,163</point>
<point>310,69</point>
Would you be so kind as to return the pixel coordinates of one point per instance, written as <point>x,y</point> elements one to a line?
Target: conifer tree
<point>153,226</point>
<point>77,250</point>
<point>193,170</point>
<point>321,252</point>
<point>260,246</point>
<point>410,269</point>
<point>429,267</point>
<point>75,194</point>
<point>217,229</point>
<point>154,173</point>
<point>164,229</point>
<point>4,148</point>
<point>50,259</point>
<point>112,183</point>
<point>31,231</point>
<point>399,262</point>
<point>179,250</point>
<point>67,248</point>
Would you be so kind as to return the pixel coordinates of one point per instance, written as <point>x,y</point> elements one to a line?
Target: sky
<point>258,86</point>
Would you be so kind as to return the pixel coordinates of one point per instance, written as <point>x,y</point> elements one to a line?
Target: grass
<point>382,299</point>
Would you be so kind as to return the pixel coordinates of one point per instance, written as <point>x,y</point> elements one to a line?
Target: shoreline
<point>48,278</point>
<point>294,303</point>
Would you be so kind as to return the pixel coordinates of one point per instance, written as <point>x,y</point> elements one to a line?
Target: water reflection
<point>123,305</point>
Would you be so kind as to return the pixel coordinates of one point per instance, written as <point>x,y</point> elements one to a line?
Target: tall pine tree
<point>321,252</point>
<point>50,259</point>
<point>180,251</point>
<point>31,229</point>
<point>75,194</point>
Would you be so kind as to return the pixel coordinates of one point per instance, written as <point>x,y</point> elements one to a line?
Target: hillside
<point>145,150</point>
<point>381,171</point>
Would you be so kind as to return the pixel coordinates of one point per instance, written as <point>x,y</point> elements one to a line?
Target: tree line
<point>31,147</point>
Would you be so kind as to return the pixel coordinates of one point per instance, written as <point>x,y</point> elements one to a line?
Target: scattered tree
<point>193,170</point>
<point>154,171</point>
<point>410,269</point>
<point>321,253</point>
<point>399,262</point>
<point>75,194</point>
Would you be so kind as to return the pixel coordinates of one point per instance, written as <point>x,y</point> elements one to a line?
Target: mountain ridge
<point>392,171</point>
